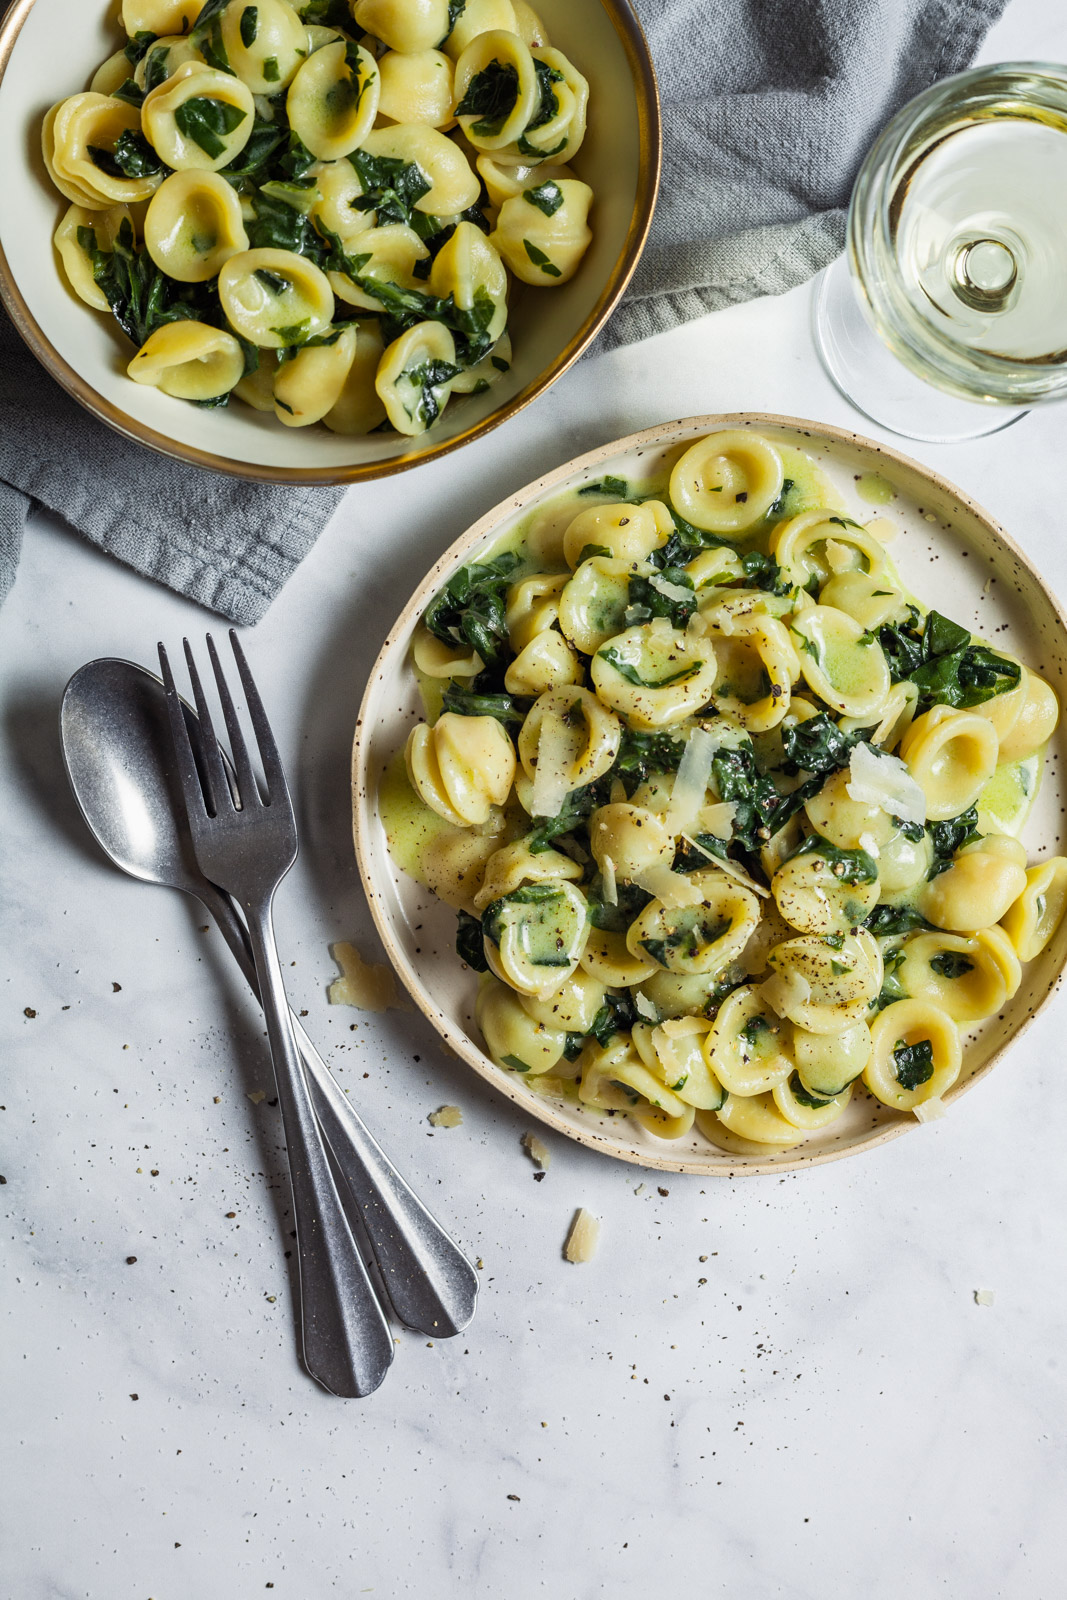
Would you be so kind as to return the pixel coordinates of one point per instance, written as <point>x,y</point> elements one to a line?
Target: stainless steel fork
<point>246,843</point>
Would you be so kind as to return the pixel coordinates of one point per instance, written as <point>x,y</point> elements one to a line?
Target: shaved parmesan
<point>838,556</point>
<point>878,779</point>
<point>731,868</point>
<point>634,614</point>
<point>555,759</point>
<point>367,985</point>
<point>672,888</point>
<point>683,1027</point>
<point>718,819</point>
<point>645,1007</point>
<point>673,591</point>
<point>869,843</point>
<point>537,1150</point>
<point>691,783</point>
<point>608,882</point>
<point>784,991</point>
<point>929,1110</point>
<point>660,626</point>
<point>583,1238</point>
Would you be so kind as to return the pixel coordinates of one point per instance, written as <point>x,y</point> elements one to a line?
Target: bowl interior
<point>949,552</point>
<point>55,54</point>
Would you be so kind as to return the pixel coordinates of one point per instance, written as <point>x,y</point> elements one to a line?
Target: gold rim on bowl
<point>634,43</point>
<point>365,785</point>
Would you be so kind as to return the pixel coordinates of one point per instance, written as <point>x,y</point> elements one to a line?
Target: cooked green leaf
<point>208,122</point>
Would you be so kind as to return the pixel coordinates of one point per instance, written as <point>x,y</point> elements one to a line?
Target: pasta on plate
<point>716,800</point>
<point>371,176</point>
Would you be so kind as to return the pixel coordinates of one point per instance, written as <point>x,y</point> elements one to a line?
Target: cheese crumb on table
<point>370,986</point>
<point>537,1150</point>
<point>583,1238</point>
<point>446,1117</point>
<point>929,1110</point>
<point>984,1297</point>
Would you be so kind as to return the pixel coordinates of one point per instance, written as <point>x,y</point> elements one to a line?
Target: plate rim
<point>660,435</point>
<point>649,166</point>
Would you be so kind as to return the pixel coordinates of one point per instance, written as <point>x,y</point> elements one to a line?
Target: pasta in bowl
<point>453,221</point>
<point>723,846</point>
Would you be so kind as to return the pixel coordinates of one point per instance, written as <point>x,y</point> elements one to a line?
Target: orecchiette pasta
<point>193,226</point>
<point>189,360</point>
<point>405,25</point>
<point>416,88</point>
<point>345,139</point>
<point>265,43</point>
<point>1037,911</point>
<point>461,766</point>
<point>274,298</point>
<point>333,100</point>
<point>74,246</point>
<point>952,755</point>
<point>544,240</point>
<point>727,482</point>
<point>740,870</point>
<point>199,117</point>
<point>311,381</point>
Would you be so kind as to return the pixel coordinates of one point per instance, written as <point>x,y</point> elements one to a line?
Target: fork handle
<point>431,1285</point>
<point>346,1340</point>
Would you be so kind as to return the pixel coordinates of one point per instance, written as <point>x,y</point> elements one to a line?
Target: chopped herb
<point>249,26</point>
<point>887,920</point>
<point>643,592</point>
<point>539,259</point>
<point>547,197</point>
<point>941,659</point>
<point>952,964</point>
<point>626,670</point>
<point>617,1015</point>
<point>854,867</point>
<point>130,93</point>
<point>272,280</point>
<point>891,990</point>
<point>819,745</point>
<point>391,187</point>
<point>950,836</point>
<point>208,123</point>
<point>491,96</point>
<point>136,47</point>
<point>133,157</point>
<point>804,1097</point>
<point>271,72</point>
<point>591,550</point>
<point>617,488</point>
<point>914,1063</point>
<point>465,703</point>
<point>470,944</point>
<point>470,608</point>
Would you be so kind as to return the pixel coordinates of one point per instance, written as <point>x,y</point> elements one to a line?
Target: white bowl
<point>948,549</point>
<point>50,48</point>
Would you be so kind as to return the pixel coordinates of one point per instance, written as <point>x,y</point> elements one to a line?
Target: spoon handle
<point>431,1285</point>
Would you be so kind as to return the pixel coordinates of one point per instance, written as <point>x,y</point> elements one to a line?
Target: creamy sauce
<point>876,490</point>
<point>448,860</point>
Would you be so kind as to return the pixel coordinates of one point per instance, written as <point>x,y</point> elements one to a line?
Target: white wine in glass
<point>956,267</point>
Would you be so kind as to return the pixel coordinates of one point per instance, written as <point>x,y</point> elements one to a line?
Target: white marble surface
<point>818,1408</point>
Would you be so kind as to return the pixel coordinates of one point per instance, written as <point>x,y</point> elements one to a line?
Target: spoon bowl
<point>120,761</point>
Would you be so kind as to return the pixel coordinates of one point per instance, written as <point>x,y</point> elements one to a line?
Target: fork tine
<point>215,781</point>
<point>247,787</point>
<point>277,789</point>
<point>179,733</point>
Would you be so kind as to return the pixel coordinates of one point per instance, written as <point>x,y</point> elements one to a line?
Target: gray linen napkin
<point>768,105</point>
<point>227,544</point>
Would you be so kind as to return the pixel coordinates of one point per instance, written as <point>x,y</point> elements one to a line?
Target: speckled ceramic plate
<point>948,550</point>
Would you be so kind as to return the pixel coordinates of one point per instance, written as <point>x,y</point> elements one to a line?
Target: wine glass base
<point>871,378</point>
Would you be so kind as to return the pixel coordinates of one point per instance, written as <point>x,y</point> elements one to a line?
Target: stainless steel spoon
<point>119,757</point>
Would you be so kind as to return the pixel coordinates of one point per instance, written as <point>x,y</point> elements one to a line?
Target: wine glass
<point>946,319</point>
